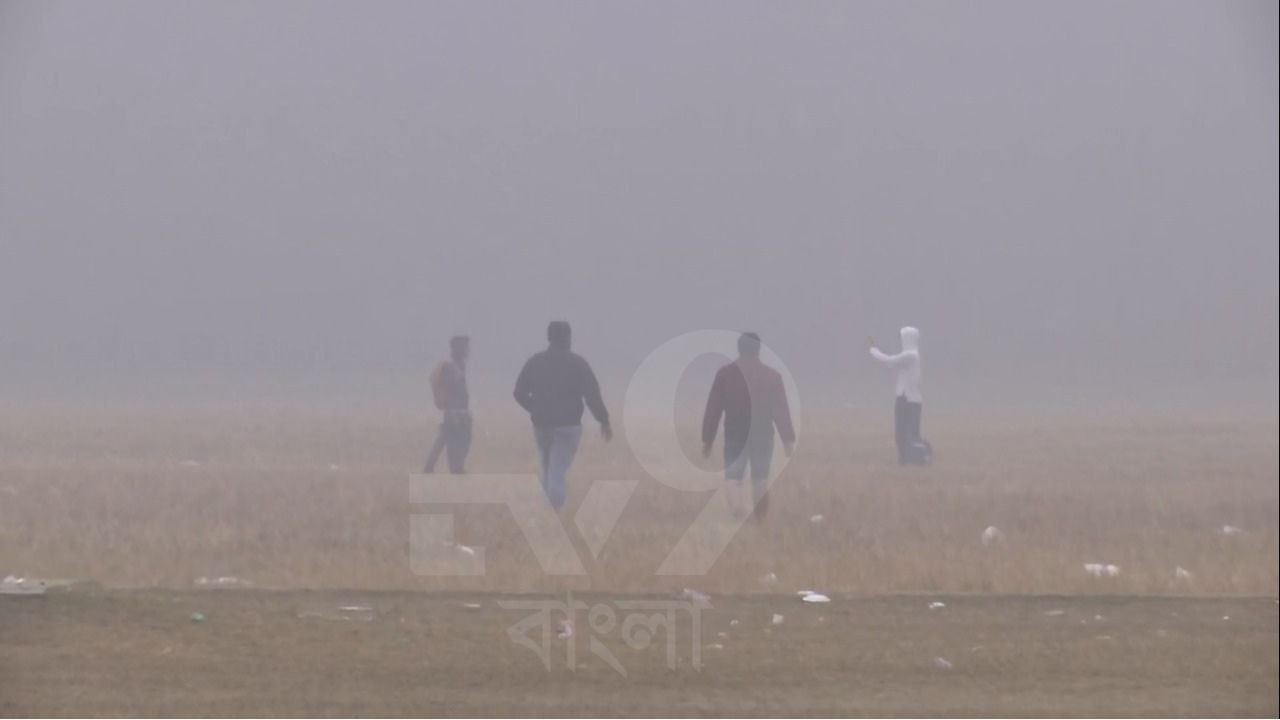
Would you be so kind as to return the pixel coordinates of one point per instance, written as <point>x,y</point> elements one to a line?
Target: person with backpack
<point>913,449</point>
<point>553,387</point>
<point>449,390</point>
<point>752,399</point>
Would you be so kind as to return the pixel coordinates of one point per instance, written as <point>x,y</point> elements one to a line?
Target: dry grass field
<point>312,508</point>
<point>265,653</point>
<point>291,500</point>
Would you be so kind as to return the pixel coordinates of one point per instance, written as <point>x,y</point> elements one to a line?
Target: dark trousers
<point>454,439</point>
<point>906,428</point>
<point>756,451</point>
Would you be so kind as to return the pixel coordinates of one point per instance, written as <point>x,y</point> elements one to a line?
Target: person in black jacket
<point>553,387</point>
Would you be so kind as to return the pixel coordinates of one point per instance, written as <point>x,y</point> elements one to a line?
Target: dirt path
<point>290,653</point>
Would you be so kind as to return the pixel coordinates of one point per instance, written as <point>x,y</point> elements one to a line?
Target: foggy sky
<point>1070,199</point>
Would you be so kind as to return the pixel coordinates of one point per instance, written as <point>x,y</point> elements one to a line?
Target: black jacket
<point>553,387</point>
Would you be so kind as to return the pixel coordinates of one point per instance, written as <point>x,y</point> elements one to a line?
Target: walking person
<point>553,387</point>
<point>913,449</point>
<point>752,400</point>
<point>449,390</point>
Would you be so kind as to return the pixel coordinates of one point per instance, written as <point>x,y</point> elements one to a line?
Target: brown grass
<point>263,654</point>
<point>104,494</point>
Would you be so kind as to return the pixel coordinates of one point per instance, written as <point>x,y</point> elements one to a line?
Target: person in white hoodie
<point>913,449</point>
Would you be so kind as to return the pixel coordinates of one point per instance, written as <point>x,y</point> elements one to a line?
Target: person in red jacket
<point>752,400</point>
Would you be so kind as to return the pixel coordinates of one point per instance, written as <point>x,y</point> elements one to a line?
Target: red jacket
<point>752,399</point>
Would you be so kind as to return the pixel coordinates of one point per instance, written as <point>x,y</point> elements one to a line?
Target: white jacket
<point>907,363</point>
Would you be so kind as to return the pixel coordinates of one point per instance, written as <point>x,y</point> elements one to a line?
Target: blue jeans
<point>556,448</point>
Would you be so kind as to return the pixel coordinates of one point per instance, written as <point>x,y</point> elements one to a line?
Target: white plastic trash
<point>1102,569</point>
<point>992,535</point>
<point>695,595</point>
<point>225,581</point>
<point>13,585</point>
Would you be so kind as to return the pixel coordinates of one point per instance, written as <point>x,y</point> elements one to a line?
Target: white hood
<point>910,339</point>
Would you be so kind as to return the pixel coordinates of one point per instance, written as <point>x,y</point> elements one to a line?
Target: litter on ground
<point>695,595</point>
<point>1102,569</point>
<point>992,535</point>
<point>225,581</point>
<point>13,585</point>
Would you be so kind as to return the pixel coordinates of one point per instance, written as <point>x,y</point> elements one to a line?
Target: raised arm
<point>892,361</point>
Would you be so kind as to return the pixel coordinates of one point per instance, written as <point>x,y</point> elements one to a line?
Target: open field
<point>312,511</point>
<point>274,653</point>
<point>293,500</point>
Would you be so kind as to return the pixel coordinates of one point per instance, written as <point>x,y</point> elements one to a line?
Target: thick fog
<point>1074,201</point>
